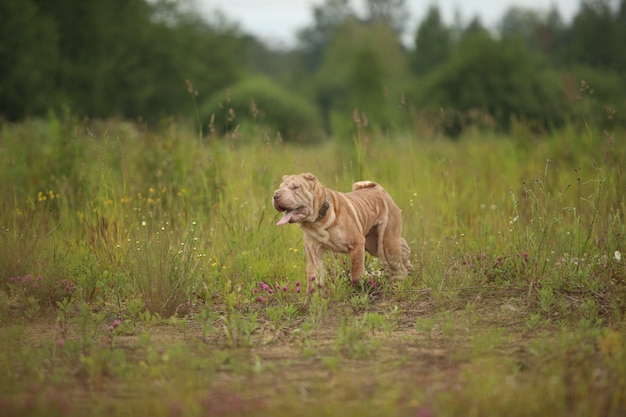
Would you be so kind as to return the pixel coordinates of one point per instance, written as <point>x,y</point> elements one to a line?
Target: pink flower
<point>116,323</point>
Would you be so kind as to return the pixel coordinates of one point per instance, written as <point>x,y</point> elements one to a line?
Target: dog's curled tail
<point>364,184</point>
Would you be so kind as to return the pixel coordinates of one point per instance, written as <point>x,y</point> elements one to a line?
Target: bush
<point>260,105</point>
<point>501,78</point>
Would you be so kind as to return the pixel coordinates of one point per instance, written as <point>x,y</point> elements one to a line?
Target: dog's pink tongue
<point>286,218</point>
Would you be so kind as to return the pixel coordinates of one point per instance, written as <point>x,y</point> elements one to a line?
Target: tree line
<point>150,60</point>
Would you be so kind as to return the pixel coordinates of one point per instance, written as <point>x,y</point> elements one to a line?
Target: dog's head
<point>299,197</point>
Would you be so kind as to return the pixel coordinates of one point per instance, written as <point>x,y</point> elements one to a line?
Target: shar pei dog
<point>365,219</point>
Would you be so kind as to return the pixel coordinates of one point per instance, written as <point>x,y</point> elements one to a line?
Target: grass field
<point>142,273</point>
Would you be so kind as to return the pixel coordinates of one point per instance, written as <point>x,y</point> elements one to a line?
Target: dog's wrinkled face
<point>296,197</point>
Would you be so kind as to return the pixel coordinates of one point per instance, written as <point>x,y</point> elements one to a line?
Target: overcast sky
<point>277,21</point>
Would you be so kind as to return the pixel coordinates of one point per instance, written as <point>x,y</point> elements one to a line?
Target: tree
<point>364,67</point>
<point>28,59</point>
<point>433,43</point>
<point>104,58</point>
<point>314,40</point>
<point>501,78</point>
<point>597,35</point>
<point>541,32</point>
<point>392,13</point>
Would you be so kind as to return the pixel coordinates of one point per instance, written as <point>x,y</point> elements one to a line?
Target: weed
<point>352,339</point>
<point>238,328</point>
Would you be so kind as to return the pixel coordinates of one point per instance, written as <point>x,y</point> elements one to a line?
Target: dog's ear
<point>309,176</point>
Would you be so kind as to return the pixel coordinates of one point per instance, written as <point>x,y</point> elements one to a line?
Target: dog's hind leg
<point>392,248</point>
<point>406,255</point>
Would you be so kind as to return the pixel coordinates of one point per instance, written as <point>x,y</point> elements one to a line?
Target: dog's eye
<point>294,187</point>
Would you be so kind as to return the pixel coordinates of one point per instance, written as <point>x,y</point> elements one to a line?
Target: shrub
<point>260,105</point>
<point>502,78</point>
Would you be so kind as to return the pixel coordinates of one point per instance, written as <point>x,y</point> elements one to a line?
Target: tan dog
<point>364,219</point>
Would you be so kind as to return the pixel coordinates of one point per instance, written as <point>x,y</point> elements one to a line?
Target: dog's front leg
<point>314,264</point>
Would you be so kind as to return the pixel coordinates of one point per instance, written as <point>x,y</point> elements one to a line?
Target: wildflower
<point>260,299</point>
<point>190,88</point>
<point>618,255</point>
<point>114,325</point>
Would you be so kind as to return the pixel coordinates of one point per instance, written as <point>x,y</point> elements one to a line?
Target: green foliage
<point>433,43</point>
<point>593,93</point>
<point>314,40</point>
<point>131,59</point>
<point>263,108</point>
<point>595,36</point>
<point>110,58</point>
<point>364,68</point>
<point>501,78</point>
<point>27,83</point>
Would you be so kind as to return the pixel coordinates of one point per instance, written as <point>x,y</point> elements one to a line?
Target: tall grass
<point>108,225</point>
<point>174,213</point>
